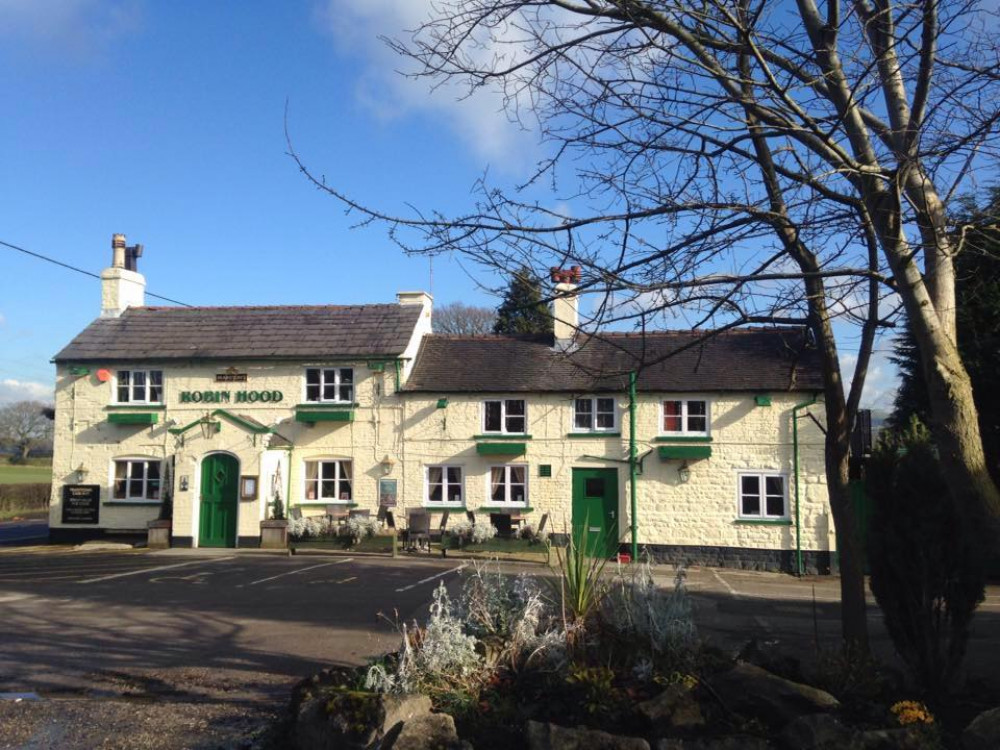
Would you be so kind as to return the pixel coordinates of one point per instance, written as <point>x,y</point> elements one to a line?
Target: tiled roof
<point>751,359</point>
<point>153,333</point>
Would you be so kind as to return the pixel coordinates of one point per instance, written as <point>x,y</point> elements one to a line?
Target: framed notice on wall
<point>387,493</point>
<point>81,503</point>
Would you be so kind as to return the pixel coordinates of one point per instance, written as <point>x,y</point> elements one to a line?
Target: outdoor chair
<point>471,516</point>
<point>442,527</point>
<point>503,524</point>
<point>359,514</point>
<point>295,514</point>
<point>541,528</point>
<point>336,514</point>
<point>418,530</point>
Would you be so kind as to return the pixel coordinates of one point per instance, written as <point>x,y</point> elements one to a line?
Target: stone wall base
<point>815,562</point>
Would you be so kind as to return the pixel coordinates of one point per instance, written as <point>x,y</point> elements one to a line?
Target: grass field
<point>33,472</point>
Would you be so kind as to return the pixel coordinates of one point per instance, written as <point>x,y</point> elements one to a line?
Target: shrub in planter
<point>473,533</point>
<point>928,553</point>
<point>359,528</point>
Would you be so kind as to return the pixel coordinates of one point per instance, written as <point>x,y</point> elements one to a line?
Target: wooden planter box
<point>274,534</point>
<point>158,534</point>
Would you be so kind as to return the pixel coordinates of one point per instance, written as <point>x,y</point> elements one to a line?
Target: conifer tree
<point>522,309</point>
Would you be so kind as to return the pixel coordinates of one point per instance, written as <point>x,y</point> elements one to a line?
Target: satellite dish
<point>104,375</point>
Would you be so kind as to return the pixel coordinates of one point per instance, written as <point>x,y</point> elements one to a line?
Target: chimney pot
<point>118,251</point>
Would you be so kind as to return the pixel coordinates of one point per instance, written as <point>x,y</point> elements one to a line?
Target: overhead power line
<point>80,270</point>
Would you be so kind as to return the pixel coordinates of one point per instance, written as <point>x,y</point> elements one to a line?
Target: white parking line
<point>429,579</point>
<point>300,570</point>
<point>157,569</point>
<point>725,583</point>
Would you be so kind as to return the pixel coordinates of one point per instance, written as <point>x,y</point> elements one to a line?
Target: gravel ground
<point>161,710</point>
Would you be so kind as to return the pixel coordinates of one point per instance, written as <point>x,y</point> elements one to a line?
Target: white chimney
<point>121,288</point>
<point>421,329</point>
<point>565,307</point>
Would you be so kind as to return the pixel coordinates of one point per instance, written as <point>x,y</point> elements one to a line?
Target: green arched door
<point>219,500</point>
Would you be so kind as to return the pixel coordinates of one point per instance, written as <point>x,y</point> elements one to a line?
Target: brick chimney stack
<point>122,286</point>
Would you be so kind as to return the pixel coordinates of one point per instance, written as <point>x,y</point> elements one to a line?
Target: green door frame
<point>218,500</point>
<point>596,504</point>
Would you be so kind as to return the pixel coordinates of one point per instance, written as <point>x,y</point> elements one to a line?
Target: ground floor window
<point>328,481</point>
<point>136,479</point>
<point>509,484</point>
<point>444,485</point>
<point>763,496</point>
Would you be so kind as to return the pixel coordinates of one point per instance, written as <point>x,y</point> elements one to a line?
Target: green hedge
<point>25,496</point>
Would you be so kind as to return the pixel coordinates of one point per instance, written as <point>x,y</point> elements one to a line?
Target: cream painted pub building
<point>223,410</point>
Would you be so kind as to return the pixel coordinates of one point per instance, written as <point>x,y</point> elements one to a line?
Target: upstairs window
<point>509,485</point>
<point>140,386</point>
<point>333,384</point>
<point>762,496</point>
<point>594,415</point>
<point>505,416</point>
<point>444,485</point>
<point>328,481</point>
<point>685,417</point>
<point>136,479</point>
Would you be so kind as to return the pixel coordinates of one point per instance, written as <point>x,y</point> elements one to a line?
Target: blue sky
<point>164,121</point>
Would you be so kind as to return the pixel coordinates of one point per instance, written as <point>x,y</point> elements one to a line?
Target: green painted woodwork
<point>501,449</point>
<point>685,452</point>
<point>442,403</point>
<point>592,435</point>
<point>376,366</point>
<point>595,509</point>
<point>503,509</point>
<point>762,400</point>
<point>79,371</point>
<point>683,439</point>
<point>133,417</point>
<point>324,415</point>
<point>502,436</point>
<point>545,470</point>
<point>220,479</point>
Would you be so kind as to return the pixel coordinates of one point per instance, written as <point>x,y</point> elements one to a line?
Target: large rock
<point>554,737</point>
<point>729,742</point>
<point>983,732</point>
<point>752,691</point>
<point>674,708</point>
<point>815,732</point>
<point>428,732</point>
<point>904,738</point>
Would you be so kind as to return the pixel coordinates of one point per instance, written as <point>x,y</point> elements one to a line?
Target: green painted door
<point>219,487</point>
<point>595,508</point>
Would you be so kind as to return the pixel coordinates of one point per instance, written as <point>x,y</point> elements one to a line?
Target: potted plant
<point>274,530</point>
<point>158,531</point>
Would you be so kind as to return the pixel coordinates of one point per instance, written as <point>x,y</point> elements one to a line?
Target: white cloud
<point>3,320</point>
<point>24,390</point>
<point>881,382</point>
<point>73,25</point>
<point>479,119</point>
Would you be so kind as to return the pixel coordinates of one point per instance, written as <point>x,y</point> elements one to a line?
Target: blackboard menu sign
<point>81,503</point>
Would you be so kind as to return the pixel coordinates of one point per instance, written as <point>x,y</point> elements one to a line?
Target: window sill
<point>441,508</point>
<point>328,404</point>
<point>341,503</point>
<point>592,435</point>
<point>682,438</point>
<point>148,503</point>
<point>502,436</point>
<point>763,522</point>
<point>142,407</point>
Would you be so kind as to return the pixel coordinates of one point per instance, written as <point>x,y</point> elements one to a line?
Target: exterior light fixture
<point>208,427</point>
<point>684,473</point>
<point>81,473</point>
<point>387,464</point>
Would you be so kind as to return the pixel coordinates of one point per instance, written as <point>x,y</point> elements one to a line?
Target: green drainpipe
<point>632,464</point>
<point>795,460</point>
<point>398,376</point>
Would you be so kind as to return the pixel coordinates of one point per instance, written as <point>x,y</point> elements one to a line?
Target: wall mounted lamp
<point>81,473</point>
<point>387,464</point>
<point>684,472</point>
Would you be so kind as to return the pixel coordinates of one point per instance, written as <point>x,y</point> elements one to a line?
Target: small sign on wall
<point>387,493</point>
<point>81,503</point>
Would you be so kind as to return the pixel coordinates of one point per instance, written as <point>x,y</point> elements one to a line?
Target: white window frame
<point>615,427</point>
<point>684,417</point>
<point>339,477</point>
<point>503,416</point>
<point>762,477</point>
<point>131,376</point>
<point>337,384</point>
<point>506,502</point>
<point>129,498</point>
<point>445,484</point>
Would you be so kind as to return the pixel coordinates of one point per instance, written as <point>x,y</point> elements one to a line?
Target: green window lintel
<point>133,417</point>
<point>592,435</point>
<point>685,452</point>
<point>501,449</point>
<point>312,415</point>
